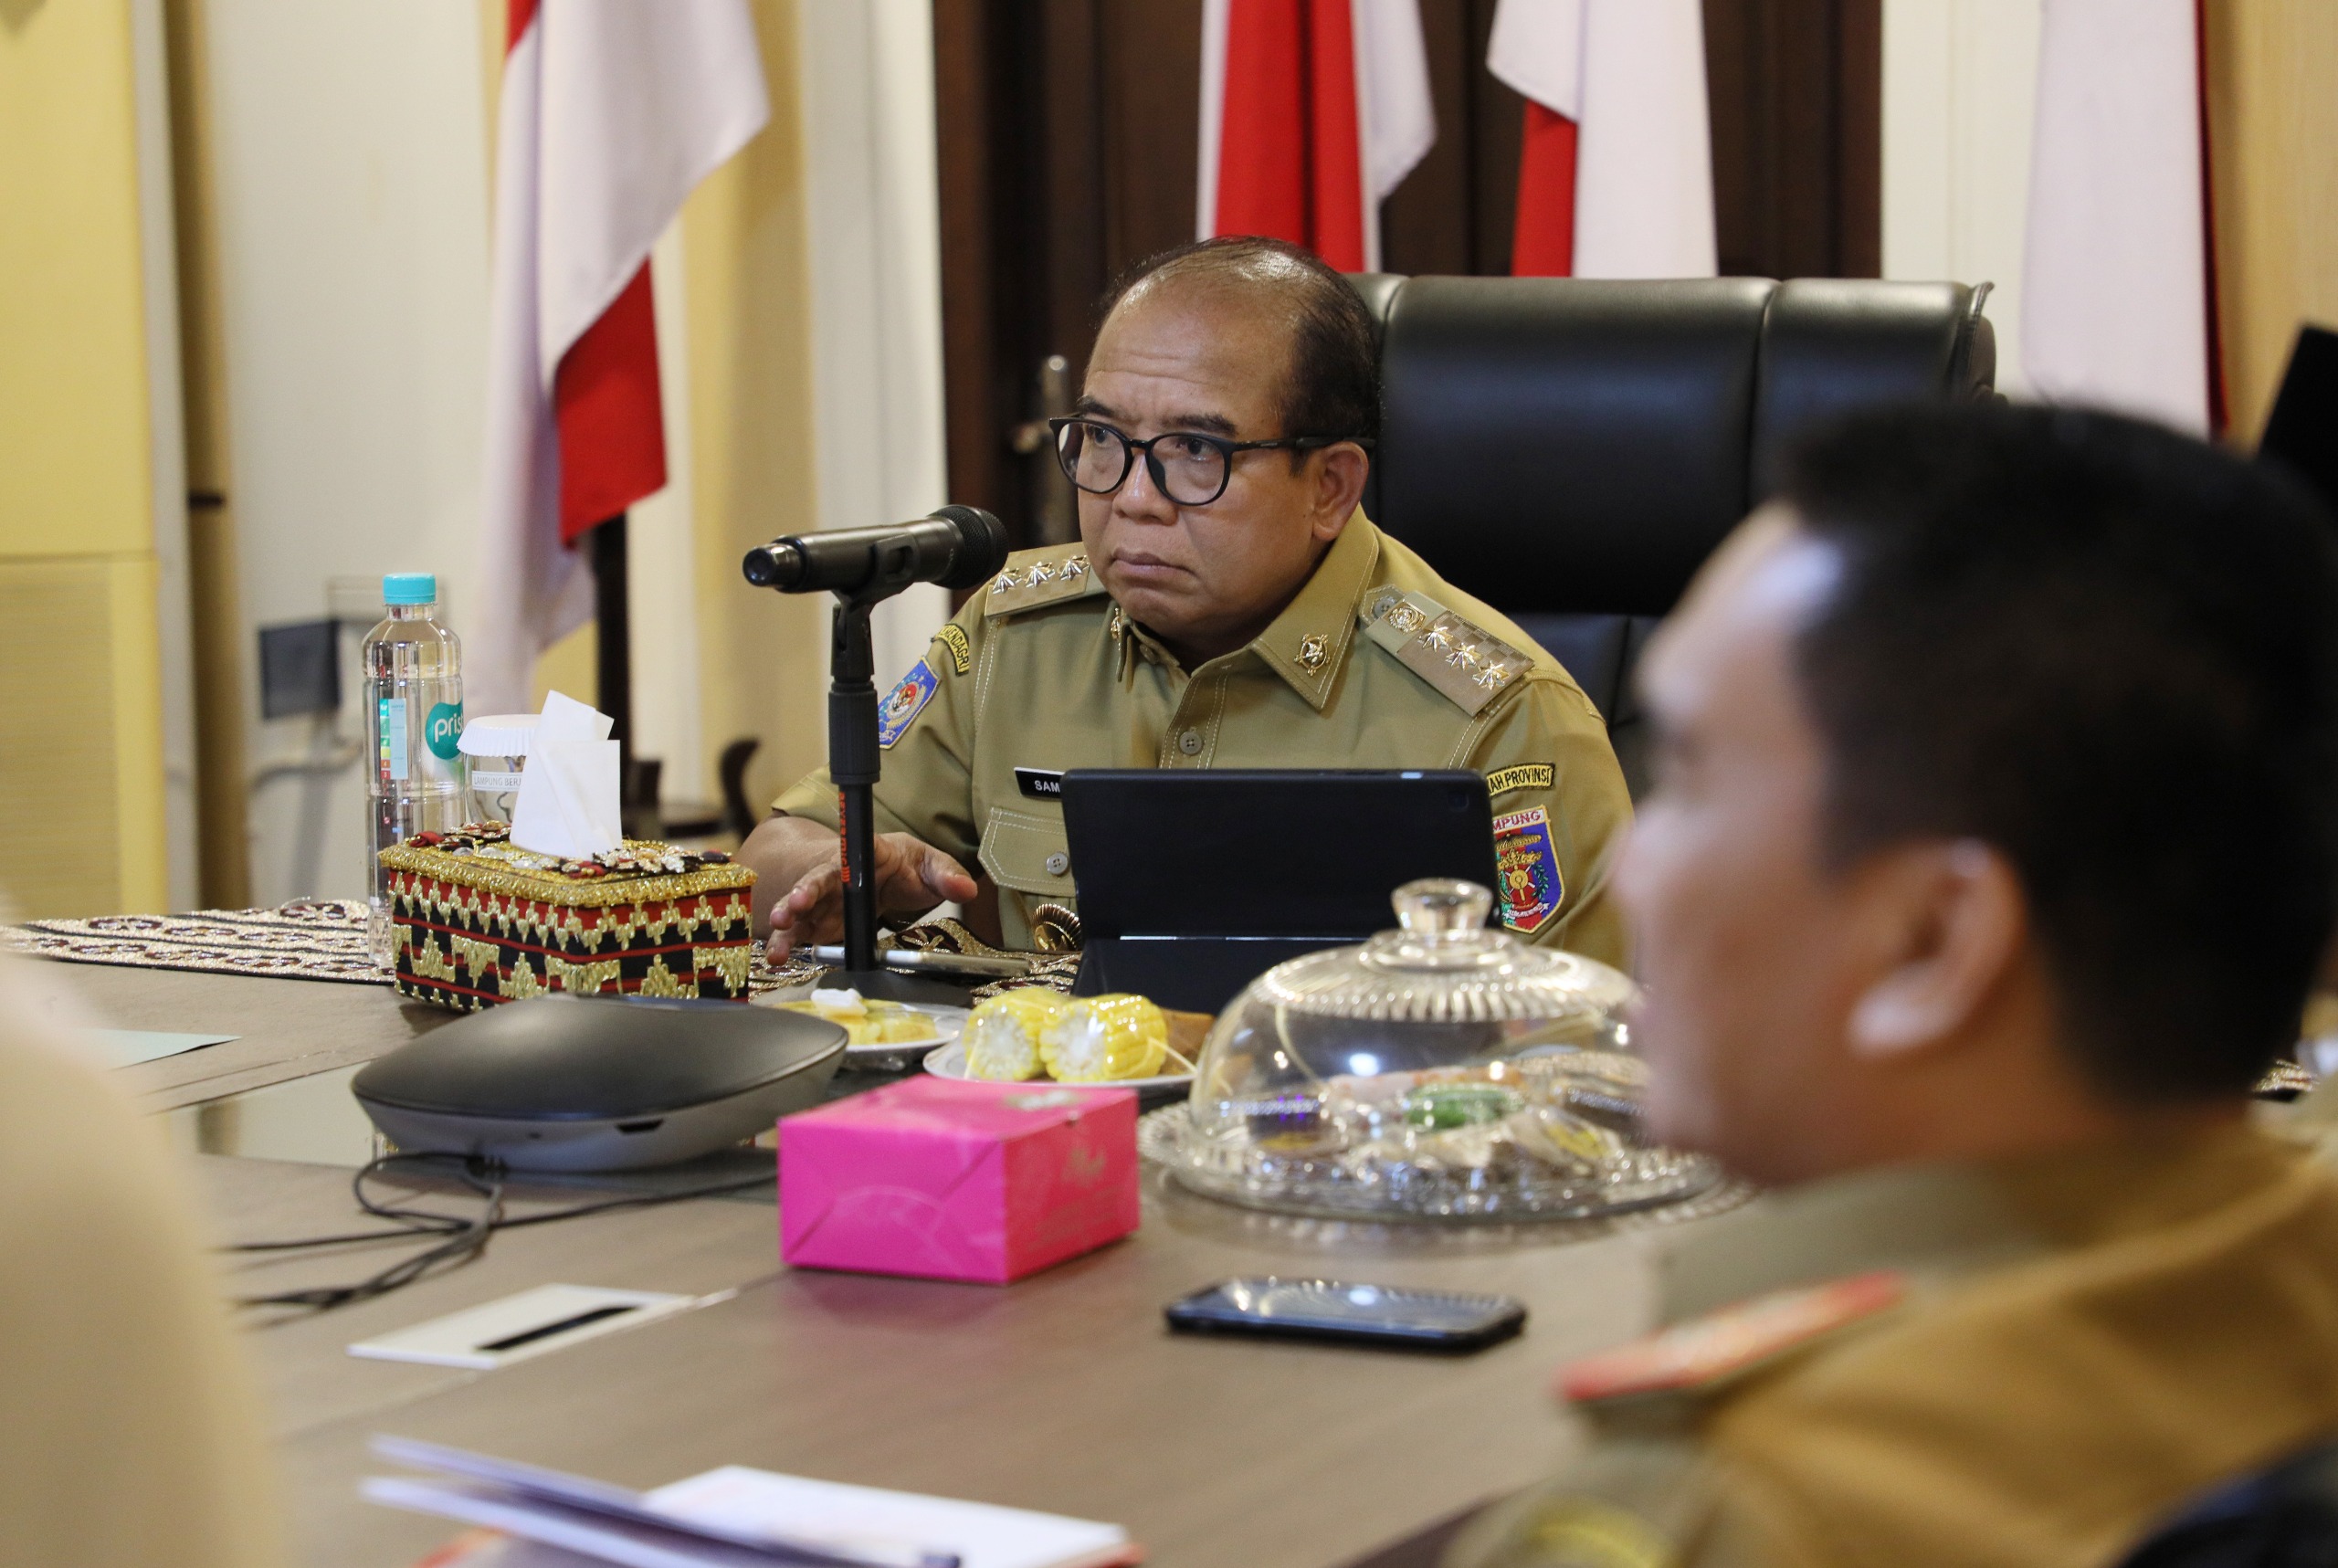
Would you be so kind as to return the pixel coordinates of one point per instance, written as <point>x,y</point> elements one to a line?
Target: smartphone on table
<point>1389,1315</point>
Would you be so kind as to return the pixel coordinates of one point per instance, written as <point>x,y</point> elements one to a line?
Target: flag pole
<point>614,647</point>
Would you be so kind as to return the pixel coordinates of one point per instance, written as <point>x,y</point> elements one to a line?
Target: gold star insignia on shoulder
<point>1465,663</point>
<point>1031,584</point>
<point>1312,652</point>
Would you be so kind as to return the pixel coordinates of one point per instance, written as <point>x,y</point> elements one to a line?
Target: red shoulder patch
<point>1731,1341</point>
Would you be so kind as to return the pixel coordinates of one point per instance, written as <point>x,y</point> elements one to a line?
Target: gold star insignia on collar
<point>1312,652</point>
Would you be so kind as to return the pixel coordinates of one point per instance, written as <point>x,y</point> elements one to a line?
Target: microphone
<point>957,547</point>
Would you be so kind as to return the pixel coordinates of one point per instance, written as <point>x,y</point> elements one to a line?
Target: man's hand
<point>911,876</point>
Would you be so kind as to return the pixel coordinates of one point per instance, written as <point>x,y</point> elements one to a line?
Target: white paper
<point>569,801</point>
<point>983,1535</point>
<point>735,1505</point>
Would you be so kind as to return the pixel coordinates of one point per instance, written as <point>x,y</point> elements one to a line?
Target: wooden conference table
<point>1063,1393</point>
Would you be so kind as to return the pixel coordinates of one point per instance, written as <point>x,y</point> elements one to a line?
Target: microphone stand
<point>855,763</point>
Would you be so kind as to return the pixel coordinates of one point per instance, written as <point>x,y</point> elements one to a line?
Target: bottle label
<point>394,747</point>
<point>493,783</point>
<point>446,729</point>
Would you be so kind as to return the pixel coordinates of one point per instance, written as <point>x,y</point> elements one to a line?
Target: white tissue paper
<point>568,803</point>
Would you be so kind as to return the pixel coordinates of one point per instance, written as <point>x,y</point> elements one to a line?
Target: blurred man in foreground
<point>132,1438</point>
<point>1994,844</point>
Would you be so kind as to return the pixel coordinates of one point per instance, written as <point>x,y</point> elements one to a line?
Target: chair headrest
<point>1569,444</point>
<point>1608,419</point>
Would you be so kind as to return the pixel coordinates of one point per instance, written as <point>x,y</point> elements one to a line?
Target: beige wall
<point>762,655</point>
<point>82,786</point>
<point>2273,143</point>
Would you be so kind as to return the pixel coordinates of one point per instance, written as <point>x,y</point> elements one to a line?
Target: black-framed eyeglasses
<point>1189,468</point>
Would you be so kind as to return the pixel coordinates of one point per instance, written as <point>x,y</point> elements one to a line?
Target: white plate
<point>950,1061</point>
<point>948,1024</point>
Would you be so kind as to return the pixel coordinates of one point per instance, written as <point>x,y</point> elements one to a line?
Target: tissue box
<point>480,921</point>
<point>951,1179</point>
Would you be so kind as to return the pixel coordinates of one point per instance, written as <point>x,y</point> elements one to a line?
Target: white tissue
<point>568,803</point>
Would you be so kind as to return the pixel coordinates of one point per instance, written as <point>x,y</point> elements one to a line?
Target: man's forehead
<point>1191,349</point>
<point>1735,625</point>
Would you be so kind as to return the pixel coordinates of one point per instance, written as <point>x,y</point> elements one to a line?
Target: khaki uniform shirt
<point>133,1438</point>
<point>1378,663</point>
<point>2079,1345</point>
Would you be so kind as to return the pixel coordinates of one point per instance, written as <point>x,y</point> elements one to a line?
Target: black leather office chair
<point>1571,449</point>
<point>2283,1517</point>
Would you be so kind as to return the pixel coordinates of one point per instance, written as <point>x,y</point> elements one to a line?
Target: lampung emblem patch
<point>1528,863</point>
<point>906,701</point>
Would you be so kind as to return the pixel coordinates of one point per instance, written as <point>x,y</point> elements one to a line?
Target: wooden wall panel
<point>2273,142</point>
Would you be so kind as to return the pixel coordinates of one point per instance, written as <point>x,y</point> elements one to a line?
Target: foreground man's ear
<point>1951,919</point>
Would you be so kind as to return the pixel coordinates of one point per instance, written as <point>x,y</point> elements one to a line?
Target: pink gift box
<point>951,1179</point>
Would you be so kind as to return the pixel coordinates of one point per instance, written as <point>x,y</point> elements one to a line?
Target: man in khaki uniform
<point>1227,606</point>
<point>1993,845</point>
<point>132,1434</point>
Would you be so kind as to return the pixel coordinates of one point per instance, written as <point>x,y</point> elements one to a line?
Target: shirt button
<point>1190,742</point>
<point>1058,863</point>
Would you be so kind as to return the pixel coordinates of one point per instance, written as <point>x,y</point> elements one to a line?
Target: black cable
<point>462,1238</point>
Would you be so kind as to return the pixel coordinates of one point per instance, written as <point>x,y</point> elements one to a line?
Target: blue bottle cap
<point>410,588</point>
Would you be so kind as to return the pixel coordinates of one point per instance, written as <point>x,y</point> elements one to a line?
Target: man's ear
<point>1339,487</point>
<point>1951,919</point>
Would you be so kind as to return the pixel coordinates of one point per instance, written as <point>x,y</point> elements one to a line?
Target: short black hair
<point>1334,387</point>
<point>2110,652</point>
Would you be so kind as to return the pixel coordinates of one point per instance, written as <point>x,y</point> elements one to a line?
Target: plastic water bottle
<point>413,719</point>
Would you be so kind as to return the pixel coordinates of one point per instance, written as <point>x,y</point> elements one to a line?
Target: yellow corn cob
<point>1003,1032</point>
<point>1101,1039</point>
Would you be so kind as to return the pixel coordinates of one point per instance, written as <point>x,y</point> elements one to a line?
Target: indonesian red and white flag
<point>2115,275</point>
<point>1312,111</point>
<point>1616,174</point>
<point>611,111</point>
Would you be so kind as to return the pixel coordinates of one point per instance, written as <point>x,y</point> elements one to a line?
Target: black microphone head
<point>765,567</point>
<point>982,546</point>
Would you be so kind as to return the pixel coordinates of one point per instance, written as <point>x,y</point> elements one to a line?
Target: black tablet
<point>1193,882</point>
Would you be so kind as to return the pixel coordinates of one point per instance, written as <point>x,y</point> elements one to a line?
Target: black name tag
<point>1039,784</point>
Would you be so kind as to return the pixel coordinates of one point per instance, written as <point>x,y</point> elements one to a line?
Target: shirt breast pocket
<point>1025,851</point>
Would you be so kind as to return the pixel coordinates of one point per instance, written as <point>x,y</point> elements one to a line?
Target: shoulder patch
<point>961,654</point>
<point>1526,775</point>
<point>1736,1339</point>
<point>1465,662</point>
<point>1039,577</point>
<point>1531,887</point>
<point>906,701</point>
